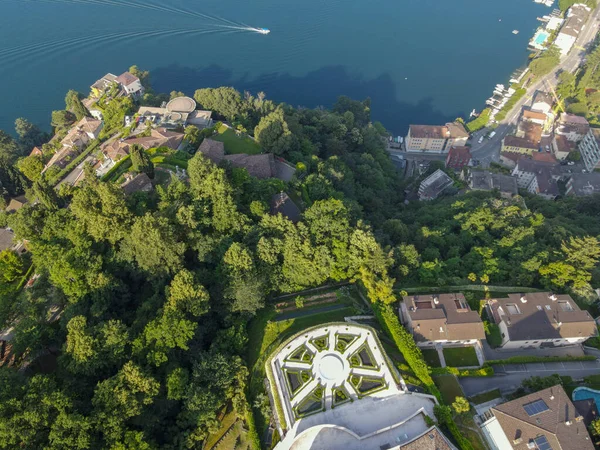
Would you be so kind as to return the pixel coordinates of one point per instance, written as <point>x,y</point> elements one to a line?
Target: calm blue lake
<point>421,61</point>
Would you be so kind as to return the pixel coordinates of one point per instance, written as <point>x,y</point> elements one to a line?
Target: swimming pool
<point>584,393</point>
<point>541,38</point>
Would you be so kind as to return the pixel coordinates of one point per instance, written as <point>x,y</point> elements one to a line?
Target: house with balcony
<point>444,319</point>
<point>540,320</point>
<point>589,147</point>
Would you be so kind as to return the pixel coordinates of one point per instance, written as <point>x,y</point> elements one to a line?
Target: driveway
<point>510,376</point>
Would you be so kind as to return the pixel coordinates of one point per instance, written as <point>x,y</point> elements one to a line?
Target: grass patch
<point>461,356</point>
<point>226,423</point>
<point>485,397</point>
<point>449,387</point>
<point>236,144</point>
<point>431,357</point>
<point>466,424</point>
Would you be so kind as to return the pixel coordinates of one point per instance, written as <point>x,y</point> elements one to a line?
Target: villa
<point>540,319</point>
<point>179,112</point>
<point>444,319</point>
<point>129,84</point>
<point>544,420</point>
<point>335,388</point>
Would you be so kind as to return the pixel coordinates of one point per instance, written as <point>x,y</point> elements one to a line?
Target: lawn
<point>431,357</point>
<point>449,387</point>
<point>460,356</point>
<point>235,144</point>
<point>226,423</point>
<point>485,397</point>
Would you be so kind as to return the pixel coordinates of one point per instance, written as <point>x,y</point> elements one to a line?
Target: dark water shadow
<point>317,88</point>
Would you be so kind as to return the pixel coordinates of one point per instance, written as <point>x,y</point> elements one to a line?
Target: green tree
<point>29,134</point>
<point>595,428</point>
<point>545,63</point>
<point>74,104</point>
<point>143,75</point>
<point>31,167</point>
<point>273,133</point>
<point>11,265</point>
<point>193,137</point>
<point>62,119</point>
<point>140,160</point>
<point>225,101</point>
<point>461,405</point>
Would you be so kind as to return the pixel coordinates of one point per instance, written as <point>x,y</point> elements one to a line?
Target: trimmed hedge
<point>537,359</point>
<point>107,176</point>
<point>519,93</point>
<point>462,442</point>
<point>73,164</point>
<point>487,371</point>
<point>406,344</point>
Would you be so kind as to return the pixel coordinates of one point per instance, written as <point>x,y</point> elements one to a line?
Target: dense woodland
<point>145,299</point>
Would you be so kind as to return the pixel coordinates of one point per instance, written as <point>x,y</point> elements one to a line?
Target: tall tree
<point>30,135</point>
<point>74,104</point>
<point>273,133</point>
<point>140,160</point>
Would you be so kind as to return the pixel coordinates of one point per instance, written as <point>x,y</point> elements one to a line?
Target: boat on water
<point>515,31</point>
<point>263,30</point>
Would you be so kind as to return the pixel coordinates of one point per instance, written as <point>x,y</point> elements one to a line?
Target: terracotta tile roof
<point>544,316</point>
<point>458,157</point>
<point>450,318</point>
<point>559,423</point>
<point>431,439</point>
<point>429,132</point>
<point>259,166</point>
<point>543,156</point>
<point>514,141</point>
<point>573,119</point>
<point>140,183</point>
<point>564,145</point>
<point>16,203</point>
<point>127,78</point>
<point>535,115</point>
<point>531,131</point>
<point>115,150</point>
<point>36,151</point>
<point>512,156</point>
<point>213,150</point>
<point>89,125</point>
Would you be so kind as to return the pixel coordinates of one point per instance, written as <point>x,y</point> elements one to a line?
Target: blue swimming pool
<point>584,393</point>
<point>541,38</point>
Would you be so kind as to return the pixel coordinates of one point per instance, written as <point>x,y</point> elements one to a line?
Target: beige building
<point>518,145</point>
<point>434,138</point>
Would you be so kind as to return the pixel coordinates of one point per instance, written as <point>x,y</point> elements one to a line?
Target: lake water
<point>421,61</point>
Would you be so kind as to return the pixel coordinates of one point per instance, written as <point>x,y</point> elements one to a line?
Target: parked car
<point>571,163</point>
<point>492,134</point>
<point>480,140</point>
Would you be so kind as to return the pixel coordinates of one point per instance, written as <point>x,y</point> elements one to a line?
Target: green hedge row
<point>537,359</point>
<point>406,344</point>
<point>463,443</point>
<point>73,164</point>
<point>487,371</point>
<point>479,122</point>
<point>519,93</point>
<point>108,175</point>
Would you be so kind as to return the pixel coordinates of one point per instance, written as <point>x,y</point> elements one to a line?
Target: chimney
<point>436,299</point>
<point>553,297</point>
<point>568,422</point>
<point>523,299</point>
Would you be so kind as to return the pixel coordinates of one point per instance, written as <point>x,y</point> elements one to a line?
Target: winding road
<point>489,150</point>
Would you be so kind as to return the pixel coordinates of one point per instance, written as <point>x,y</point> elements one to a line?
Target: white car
<point>492,134</point>
<point>480,140</point>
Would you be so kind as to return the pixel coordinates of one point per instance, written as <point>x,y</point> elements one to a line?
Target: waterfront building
<point>434,138</point>
<point>432,186</point>
<point>576,18</point>
<point>589,148</point>
<point>518,145</point>
<point>458,158</point>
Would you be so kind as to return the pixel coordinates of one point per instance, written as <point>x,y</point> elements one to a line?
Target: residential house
<point>102,85</point>
<point>213,150</point>
<point>540,319</point>
<point>542,102</point>
<point>458,158</point>
<point>510,159</point>
<point>200,118</point>
<point>573,127</point>
<point>138,183</point>
<point>89,126</point>
<point>583,184</point>
<point>90,105</point>
<point>518,145</point>
<point>159,137</point>
<point>534,117</point>
<point>488,181</point>
<point>36,151</point>
<point>544,420</point>
<point>431,439</point>
<point>589,148</point>
<point>178,112</point>
<point>282,204</point>
<point>538,177</point>
<point>16,203</point>
<point>6,239</point>
<point>530,131</point>
<point>562,147</point>
<point>576,18</point>
<point>435,139</point>
<point>444,319</point>
<point>432,186</point>
<point>260,166</point>
<point>131,84</point>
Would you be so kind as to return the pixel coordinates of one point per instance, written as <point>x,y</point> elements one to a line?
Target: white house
<point>577,16</point>
<point>130,84</point>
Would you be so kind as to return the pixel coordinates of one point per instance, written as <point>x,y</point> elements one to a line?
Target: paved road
<point>510,376</point>
<point>76,173</point>
<point>489,150</point>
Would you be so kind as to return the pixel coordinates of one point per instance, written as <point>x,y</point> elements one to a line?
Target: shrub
<point>483,372</point>
<point>479,122</point>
